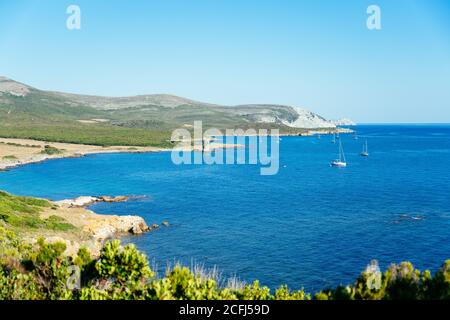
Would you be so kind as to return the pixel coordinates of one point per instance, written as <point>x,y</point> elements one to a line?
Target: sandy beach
<point>16,152</point>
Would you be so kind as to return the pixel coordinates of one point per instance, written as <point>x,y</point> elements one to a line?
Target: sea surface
<point>310,226</point>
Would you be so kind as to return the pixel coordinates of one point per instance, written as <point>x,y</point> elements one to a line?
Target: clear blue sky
<point>314,54</point>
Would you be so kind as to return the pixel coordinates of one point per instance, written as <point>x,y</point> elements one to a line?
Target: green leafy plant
<point>122,264</point>
<point>42,272</point>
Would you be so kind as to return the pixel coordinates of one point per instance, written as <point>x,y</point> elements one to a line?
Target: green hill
<point>26,112</point>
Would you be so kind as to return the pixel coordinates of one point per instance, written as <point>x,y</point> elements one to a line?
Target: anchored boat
<point>340,162</point>
<point>365,152</point>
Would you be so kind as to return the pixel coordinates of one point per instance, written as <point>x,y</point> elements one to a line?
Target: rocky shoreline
<point>92,229</point>
<point>126,224</point>
<point>85,201</point>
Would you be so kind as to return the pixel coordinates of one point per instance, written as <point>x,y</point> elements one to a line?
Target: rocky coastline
<point>92,229</point>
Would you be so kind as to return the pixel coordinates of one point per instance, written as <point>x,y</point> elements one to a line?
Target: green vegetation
<point>43,272</point>
<point>21,145</point>
<point>57,224</point>
<point>23,214</point>
<point>138,121</point>
<point>49,117</point>
<point>9,157</point>
<point>74,132</point>
<point>51,150</point>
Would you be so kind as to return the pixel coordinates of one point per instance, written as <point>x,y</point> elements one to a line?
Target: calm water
<point>309,226</point>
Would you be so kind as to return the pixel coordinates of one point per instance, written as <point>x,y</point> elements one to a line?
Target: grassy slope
<point>48,116</point>
<point>40,116</point>
<point>22,214</point>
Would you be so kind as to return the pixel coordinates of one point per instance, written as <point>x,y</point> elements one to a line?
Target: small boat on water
<point>355,136</point>
<point>340,162</point>
<point>365,152</point>
<point>334,139</point>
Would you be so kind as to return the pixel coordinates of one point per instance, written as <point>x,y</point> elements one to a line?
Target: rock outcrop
<point>92,229</point>
<point>309,120</point>
<point>86,201</point>
<point>111,226</point>
<point>13,88</point>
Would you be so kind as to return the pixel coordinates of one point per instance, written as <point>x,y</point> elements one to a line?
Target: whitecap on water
<point>405,218</point>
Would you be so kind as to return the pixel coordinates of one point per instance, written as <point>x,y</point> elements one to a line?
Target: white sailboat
<point>365,152</point>
<point>340,162</point>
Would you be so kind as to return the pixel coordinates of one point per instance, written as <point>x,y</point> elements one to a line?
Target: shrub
<point>42,273</point>
<point>122,264</point>
<point>283,293</point>
<point>254,292</point>
<point>51,150</point>
<point>439,286</point>
<point>9,157</point>
<point>51,269</point>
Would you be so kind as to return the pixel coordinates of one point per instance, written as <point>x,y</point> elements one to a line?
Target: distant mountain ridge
<point>13,87</point>
<point>145,111</point>
<point>111,103</point>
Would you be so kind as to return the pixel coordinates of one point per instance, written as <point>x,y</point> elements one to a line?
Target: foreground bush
<point>43,272</point>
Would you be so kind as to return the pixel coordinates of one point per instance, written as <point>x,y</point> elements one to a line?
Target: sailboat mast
<point>339,154</point>
<point>366,147</point>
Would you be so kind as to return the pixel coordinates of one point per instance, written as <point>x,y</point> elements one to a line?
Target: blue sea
<point>310,226</point>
